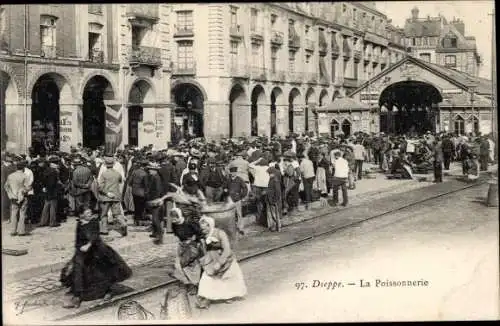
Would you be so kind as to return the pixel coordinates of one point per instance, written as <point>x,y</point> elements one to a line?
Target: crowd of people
<point>269,176</point>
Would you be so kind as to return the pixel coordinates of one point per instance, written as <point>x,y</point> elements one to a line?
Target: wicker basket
<point>225,218</point>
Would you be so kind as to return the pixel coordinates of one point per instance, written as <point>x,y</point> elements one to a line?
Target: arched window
<point>475,125</point>
<point>346,128</point>
<point>459,125</point>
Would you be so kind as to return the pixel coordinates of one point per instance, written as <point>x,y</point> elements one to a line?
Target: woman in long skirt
<point>222,278</point>
<point>95,267</point>
<point>187,266</point>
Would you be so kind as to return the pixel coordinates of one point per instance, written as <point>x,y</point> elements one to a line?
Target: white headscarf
<point>211,223</point>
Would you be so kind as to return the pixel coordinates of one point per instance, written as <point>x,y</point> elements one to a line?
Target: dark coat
<point>138,181</point>
<point>50,181</point>
<point>237,188</point>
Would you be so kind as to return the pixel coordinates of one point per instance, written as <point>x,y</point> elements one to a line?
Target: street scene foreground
<point>451,243</point>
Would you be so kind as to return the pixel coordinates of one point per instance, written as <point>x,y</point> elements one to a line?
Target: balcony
<point>256,34</point>
<point>258,73</point>
<point>96,56</point>
<point>236,32</point>
<point>309,46</point>
<point>277,75</point>
<point>368,57</point>
<point>144,55</point>
<point>139,12</point>
<point>350,82</point>
<point>295,77</point>
<point>48,51</point>
<point>277,38</point>
<point>239,71</point>
<point>95,9</point>
<point>183,32</point>
<point>347,53</point>
<point>322,48</point>
<point>376,58</point>
<point>335,51</point>
<point>184,69</point>
<point>357,55</point>
<point>294,42</point>
<point>311,77</point>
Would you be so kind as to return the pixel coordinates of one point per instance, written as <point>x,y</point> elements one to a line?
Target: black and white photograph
<point>249,162</point>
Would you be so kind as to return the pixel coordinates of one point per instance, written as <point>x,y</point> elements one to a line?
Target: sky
<point>474,13</point>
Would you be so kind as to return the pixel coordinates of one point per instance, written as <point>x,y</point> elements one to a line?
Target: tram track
<point>331,229</point>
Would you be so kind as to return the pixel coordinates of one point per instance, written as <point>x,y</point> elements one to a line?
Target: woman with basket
<point>222,278</point>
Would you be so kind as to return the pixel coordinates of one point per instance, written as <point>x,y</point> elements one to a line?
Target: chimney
<point>414,14</point>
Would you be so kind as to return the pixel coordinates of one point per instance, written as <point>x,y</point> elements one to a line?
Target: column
<point>311,122</point>
<point>264,119</point>
<point>282,119</point>
<point>241,119</point>
<point>216,119</point>
<point>298,118</point>
<point>114,126</point>
<point>17,126</point>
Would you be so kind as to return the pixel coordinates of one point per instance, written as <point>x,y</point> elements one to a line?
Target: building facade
<point>115,74</point>
<point>436,40</point>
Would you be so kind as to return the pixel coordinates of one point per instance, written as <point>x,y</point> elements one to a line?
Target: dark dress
<point>94,271</point>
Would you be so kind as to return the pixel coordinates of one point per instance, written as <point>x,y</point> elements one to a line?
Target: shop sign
<point>65,130</point>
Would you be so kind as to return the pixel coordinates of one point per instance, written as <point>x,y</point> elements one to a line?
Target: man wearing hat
<point>237,190</point>
<point>50,190</point>
<point>81,182</point>
<point>155,191</point>
<point>213,179</point>
<point>260,184</point>
<point>109,185</point>
<point>242,168</point>
<point>16,192</point>
<point>138,182</point>
<point>341,174</point>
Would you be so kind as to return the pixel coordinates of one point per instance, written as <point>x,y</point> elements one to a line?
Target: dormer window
<point>450,42</point>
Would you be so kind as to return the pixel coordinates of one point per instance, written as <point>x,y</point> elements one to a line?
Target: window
<point>356,65</point>
<point>425,57</point>
<point>450,42</point>
<point>185,20</point>
<point>450,61</point>
<point>459,125</point>
<point>48,36</point>
<point>308,58</point>
<point>274,17</point>
<point>291,61</point>
<point>425,41</point>
<point>185,55</point>
<point>253,19</point>
<point>234,16</point>
<point>274,55</point>
<point>333,69</point>
<point>354,14</point>
<point>413,41</point>
<point>344,8</point>
<point>307,29</point>
<point>234,53</point>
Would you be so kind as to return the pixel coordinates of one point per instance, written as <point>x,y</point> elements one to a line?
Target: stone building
<point>437,40</point>
<point>140,74</point>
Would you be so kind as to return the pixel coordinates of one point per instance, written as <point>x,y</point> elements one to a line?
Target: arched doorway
<point>258,99</point>
<point>310,106</point>
<point>412,107</point>
<point>237,97</point>
<point>140,93</point>
<point>276,97</point>
<point>346,127</point>
<point>293,112</point>
<point>189,110</point>
<point>334,127</point>
<point>48,90</point>
<point>96,91</point>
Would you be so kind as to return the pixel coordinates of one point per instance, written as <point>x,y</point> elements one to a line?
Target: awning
<point>344,104</point>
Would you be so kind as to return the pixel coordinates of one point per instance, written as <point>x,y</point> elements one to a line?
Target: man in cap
<point>16,192</point>
<point>138,181</point>
<point>50,190</point>
<point>109,185</point>
<point>260,184</point>
<point>237,190</point>
<point>242,168</point>
<point>213,179</point>
<point>81,182</point>
<point>340,177</point>
<point>155,191</point>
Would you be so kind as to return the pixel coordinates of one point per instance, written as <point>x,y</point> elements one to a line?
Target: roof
<point>420,28</point>
<point>344,104</point>
<point>460,79</point>
<point>464,99</point>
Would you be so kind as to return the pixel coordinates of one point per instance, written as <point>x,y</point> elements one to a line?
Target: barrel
<point>224,216</point>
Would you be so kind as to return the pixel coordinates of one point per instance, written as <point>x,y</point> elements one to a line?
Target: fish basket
<point>224,216</point>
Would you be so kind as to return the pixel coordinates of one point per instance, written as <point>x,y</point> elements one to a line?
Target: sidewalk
<point>50,248</point>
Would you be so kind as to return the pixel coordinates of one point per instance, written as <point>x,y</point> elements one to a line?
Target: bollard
<point>492,198</point>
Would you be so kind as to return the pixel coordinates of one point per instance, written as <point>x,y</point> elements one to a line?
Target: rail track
<point>165,285</point>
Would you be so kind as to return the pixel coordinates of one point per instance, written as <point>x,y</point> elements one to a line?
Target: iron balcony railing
<point>322,46</point>
<point>294,42</point>
<point>184,68</point>
<point>335,50</point>
<point>376,58</point>
<point>184,31</point>
<point>258,73</point>
<point>277,37</point>
<point>256,33</point>
<point>357,55</point>
<point>295,77</point>
<point>96,56</point>
<point>310,44</point>
<point>148,11</point>
<point>145,55</point>
<point>238,70</point>
<point>236,31</point>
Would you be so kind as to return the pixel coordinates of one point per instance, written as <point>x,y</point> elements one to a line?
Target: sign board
<point>323,124</point>
<point>65,130</point>
<point>152,127</point>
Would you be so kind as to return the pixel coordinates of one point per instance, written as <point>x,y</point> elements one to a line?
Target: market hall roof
<point>461,80</point>
<point>343,104</point>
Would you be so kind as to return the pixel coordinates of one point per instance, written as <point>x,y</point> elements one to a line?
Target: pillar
<point>242,119</point>
<point>215,119</point>
<point>70,124</point>
<point>264,119</point>
<point>17,126</point>
<point>311,122</point>
<point>282,119</point>
<point>114,126</point>
<point>298,118</point>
